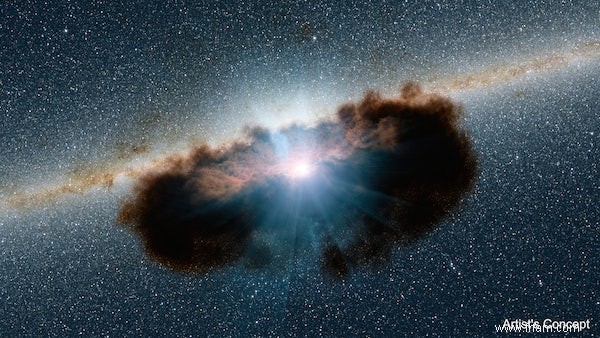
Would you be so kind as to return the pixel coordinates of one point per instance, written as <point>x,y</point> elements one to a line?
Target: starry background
<point>83,84</point>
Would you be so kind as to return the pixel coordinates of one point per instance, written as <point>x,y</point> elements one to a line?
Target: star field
<point>93,95</point>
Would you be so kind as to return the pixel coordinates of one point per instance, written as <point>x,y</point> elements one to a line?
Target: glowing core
<point>301,170</point>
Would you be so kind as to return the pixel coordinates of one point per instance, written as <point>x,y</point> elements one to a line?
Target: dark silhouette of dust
<point>388,171</point>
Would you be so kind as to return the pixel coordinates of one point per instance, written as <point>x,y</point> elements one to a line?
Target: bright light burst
<point>301,169</point>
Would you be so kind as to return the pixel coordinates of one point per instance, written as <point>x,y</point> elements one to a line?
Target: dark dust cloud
<point>386,171</point>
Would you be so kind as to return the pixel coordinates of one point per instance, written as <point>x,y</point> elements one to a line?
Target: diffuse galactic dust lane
<point>104,175</point>
<point>491,76</point>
